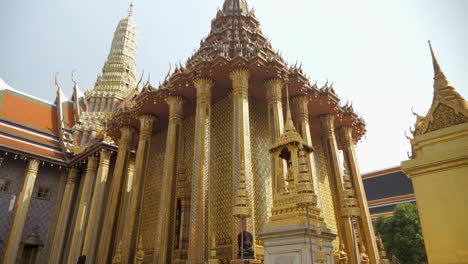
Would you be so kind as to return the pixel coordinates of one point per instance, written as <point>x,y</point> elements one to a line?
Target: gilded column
<point>198,243</point>
<point>364,221</point>
<point>21,211</point>
<point>183,197</point>
<point>111,213</point>
<point>344,224</point>
<point>276,126</point>
<point>97,202</point>
<point>83,209</point>
<point>241,151</point>
<point>167,202</point>
<point>132,193</point>
<point>62,222</point>
<point>123,215</point>
<point>300,106</point>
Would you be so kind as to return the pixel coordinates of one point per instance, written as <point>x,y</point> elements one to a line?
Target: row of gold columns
<point>198,243</point>
<point>115,189</point>
<point>241,153</point>
<point>21,212</point>
<point>127,228</point>
<point>95,215</point>
<point>164,241</point>
<point>83,208</point>
<point>344,223</point>
<point>276,126</point>
<point>363,221</point>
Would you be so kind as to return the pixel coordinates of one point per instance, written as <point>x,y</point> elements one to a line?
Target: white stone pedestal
<point>291,245</point>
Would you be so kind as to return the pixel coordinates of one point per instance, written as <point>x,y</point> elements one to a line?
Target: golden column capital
<point>33,164</point>
<point>104,157</point>
<point>71,176</point>
<point>203,86</point>
<point>176,107</point>
<point>126,134</point>
<point>240,81</point>
<point>146,126</point>
<point>300,107</point>
<point>274,89</point>
<point>92,164</point>
<point>346,135</point>
<point>328,123</point>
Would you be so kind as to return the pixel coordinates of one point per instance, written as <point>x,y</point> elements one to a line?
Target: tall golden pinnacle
<point>442,87</point>
<point>289,125</point>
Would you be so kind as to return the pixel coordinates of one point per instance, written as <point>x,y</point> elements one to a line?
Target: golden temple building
<point>228,159</point>
<point>438,168</point>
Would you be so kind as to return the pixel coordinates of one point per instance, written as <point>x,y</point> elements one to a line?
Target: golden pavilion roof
<point>235,41</point>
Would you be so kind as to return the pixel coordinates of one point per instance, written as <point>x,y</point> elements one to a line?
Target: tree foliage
<point>401,234</point>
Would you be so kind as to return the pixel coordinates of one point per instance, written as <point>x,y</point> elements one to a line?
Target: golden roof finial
<point>289,125</point>
<point>435,63</point>
<point>442,87</point>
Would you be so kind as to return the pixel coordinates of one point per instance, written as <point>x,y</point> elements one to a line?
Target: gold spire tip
<point>435,63</point>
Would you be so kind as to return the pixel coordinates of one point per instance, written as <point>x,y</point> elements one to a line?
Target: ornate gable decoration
<point>448,108</point>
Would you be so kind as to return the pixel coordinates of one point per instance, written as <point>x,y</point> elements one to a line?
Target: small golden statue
<point>118,254</point>
<point>342,256</point>
<point>363,256</point>
<point>140,255</point>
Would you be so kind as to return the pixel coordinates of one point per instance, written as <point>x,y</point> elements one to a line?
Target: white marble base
<point>291,245</point>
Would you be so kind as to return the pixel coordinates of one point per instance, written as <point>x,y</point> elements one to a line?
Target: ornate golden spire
<point>289,125</point>
<point>435,63</point>
<point>442,88</point>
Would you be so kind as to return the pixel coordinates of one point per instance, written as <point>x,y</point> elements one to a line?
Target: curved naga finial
<point>141,79</point>
<point>407,137</point>
<point>148,81</point>
<point>414,113</point>
<point>168,73</point>
<point>56,80</point>
<point>73,78</point>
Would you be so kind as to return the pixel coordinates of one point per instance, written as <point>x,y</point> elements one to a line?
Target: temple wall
<point>12,170</point>
<point>325,193</point>
<point>40,211</point>
<point>151,195</point>
<point>261,164</point>
<point>221,183</point>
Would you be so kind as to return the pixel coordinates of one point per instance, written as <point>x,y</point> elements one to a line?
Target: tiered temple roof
<point>235,41</point>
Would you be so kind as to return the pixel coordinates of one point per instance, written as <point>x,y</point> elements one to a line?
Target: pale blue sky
<point>375,51</point>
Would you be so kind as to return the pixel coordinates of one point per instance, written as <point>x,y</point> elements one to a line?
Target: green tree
<point>401,234</point>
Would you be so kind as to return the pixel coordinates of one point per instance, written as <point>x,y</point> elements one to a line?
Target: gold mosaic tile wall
<point>260,145</point>
<point>152,190</point>
<point>326,196</point>
<point>221,175</point>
